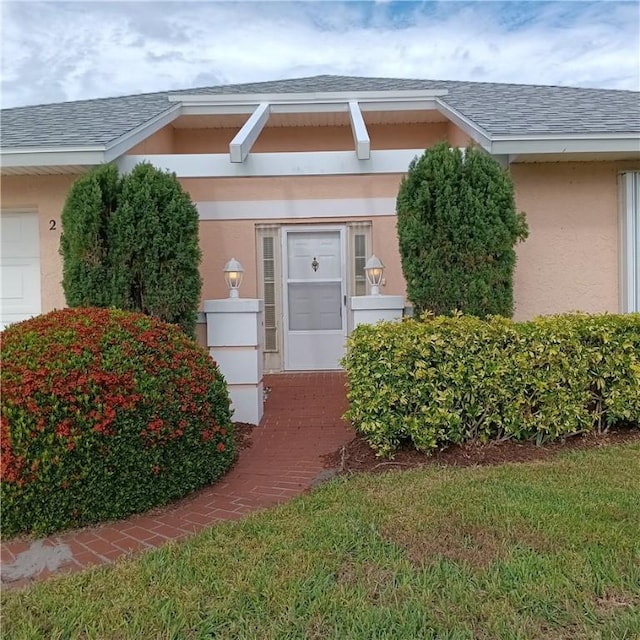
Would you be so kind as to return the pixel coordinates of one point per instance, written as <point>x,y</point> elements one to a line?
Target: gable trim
<point>130,139</point>
<point>87,156</point>
<point>558,143</point>
<point>474,131</point>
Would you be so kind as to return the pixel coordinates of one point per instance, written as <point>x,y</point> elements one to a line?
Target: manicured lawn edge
<point>515,551</point>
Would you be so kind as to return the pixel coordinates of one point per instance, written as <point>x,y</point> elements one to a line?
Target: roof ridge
<point>85,100</point>
<point>172,91</point>
<point>396,79</point>
<point>201,89</point>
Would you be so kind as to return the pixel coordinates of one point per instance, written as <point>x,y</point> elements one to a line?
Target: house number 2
<point>52,225</point>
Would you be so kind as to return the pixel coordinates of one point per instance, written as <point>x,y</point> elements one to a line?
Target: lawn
<point>538,550</point>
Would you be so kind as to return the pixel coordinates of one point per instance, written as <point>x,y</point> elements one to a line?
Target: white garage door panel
<point>20,235</point>
<point>20,267</point>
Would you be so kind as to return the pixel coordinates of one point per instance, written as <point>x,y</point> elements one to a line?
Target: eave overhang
<point>541,143</point>
<point>260,106</point>
<point>59,157</point>
<point>566,143</point>
<point>45,157</point>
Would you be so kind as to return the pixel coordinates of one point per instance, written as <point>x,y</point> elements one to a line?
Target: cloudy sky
<point>55,51</point>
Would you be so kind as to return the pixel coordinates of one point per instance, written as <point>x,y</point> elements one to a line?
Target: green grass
<point>545,550</point>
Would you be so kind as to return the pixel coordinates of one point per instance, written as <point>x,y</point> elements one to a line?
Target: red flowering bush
<point>105,413</point>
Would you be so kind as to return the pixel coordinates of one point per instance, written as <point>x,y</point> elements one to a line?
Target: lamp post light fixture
<point>233,273</point>
<point>373,270</point>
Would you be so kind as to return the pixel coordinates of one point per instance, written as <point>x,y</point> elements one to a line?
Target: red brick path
<point>302,422</point>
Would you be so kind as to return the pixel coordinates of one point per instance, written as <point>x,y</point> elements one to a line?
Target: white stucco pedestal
<point>372,309</point>
<point>234,338</point>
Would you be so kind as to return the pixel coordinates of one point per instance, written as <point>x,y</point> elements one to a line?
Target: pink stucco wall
<point>221,240</point>
<point>457,137</point>
<point>159,142</point>
<point>570,260</point>
<point>326,138</point>
<point>292,188</point>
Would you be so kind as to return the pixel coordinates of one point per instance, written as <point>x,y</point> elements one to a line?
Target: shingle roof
<point>520,110</point>
<point>84,123</point>
<point>499,109</point>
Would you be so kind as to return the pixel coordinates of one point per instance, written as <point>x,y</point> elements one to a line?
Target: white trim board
<point>41,157</point>
<point>305,163</point>
<point>566,143</point>
<point>312,97</point>
<point>296,209</point>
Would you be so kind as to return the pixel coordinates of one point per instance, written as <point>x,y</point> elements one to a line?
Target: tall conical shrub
<point>132,243</point>
<point>154,249</point>
<point>84,244</point>
<point>457,227</point>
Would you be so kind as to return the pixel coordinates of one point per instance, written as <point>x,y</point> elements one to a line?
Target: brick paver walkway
<point>302,422</point>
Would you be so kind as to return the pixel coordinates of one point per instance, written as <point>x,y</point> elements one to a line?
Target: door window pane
<point>359,261</point>
<point>318,248</point>
<point>359,251</point>
<point>269,293</point>
<point>315,306</point>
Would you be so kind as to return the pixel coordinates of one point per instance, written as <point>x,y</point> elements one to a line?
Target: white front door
<point>20,267</point>
<point>315,325</point>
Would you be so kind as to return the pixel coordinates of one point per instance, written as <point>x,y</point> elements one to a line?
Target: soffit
<point>331,119</point>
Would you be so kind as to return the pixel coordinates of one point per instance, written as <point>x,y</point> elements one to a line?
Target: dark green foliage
<point>105,413</point>
<point>84,241</point>
<point>154,249</point>
<point>132,244</point>
<point>447,380</point>
<point>457,226</point>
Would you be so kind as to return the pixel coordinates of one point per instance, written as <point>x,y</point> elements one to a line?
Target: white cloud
<point>66,51</point>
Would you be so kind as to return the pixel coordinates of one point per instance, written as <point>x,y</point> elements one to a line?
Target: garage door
<point>20,266</point>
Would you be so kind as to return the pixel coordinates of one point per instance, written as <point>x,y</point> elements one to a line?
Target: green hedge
<point>105,413</point>
<point>445,380</point>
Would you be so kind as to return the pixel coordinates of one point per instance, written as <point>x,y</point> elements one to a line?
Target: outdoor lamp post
<point>373,270</point>
<point>233,272</point>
